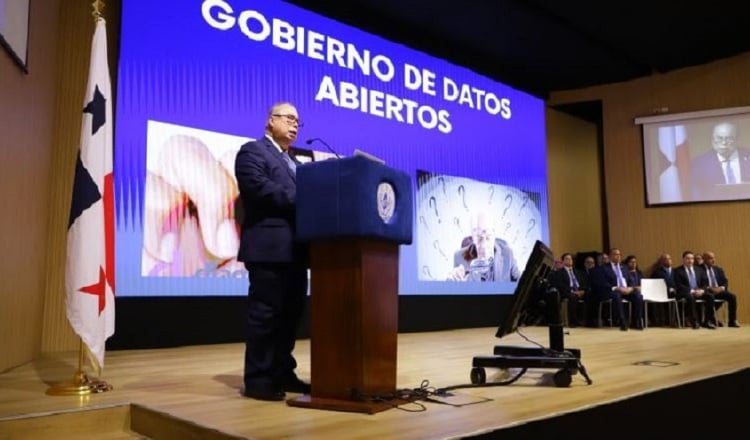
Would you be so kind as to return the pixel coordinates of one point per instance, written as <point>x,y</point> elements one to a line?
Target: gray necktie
<point>712,277</point>
<point>290,162</point>
<point>691,277</point>
<point>731,178</point>
<point>573,280</point>
<point>620,279</point>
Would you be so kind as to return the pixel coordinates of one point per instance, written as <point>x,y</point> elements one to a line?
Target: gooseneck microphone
<point>310,141</point>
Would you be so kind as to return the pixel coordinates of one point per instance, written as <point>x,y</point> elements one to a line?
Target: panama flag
<point>90,271</point>
<point>674,176</point>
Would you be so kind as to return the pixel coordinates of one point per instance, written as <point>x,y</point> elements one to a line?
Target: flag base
<point>81,385</point>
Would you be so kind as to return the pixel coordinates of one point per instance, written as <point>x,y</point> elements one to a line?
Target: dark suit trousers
<point>708,300</point>
<point>731,300</point>
<point>636,303</point>
<point>572,303</point>
<point>276,300</point>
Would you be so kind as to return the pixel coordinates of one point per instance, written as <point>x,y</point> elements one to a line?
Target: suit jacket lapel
<point>744,165</point>
<point>274,152</point>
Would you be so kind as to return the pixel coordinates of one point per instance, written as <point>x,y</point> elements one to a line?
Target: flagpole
<point>81,384</point>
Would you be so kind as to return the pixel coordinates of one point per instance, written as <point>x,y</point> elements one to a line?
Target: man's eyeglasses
<point>724,140</point>
<point>482,234</point>
<point>290,119</point>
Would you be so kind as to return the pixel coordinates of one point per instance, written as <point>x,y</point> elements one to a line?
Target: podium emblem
<point>386,201</point>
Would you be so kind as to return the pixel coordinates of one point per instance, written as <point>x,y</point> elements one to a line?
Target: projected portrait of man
<point>724,164</point>
<point>482,256</point>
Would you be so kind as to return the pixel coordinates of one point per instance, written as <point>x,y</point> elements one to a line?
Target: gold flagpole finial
<point>98,6</point>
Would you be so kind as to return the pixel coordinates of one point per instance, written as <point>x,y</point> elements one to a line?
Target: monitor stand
<point>567,362</point>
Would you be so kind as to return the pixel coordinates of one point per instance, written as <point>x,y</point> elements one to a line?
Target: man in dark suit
<point>608,282</point>
<point>691,283</point>
<point>589,263</point>
<point>664,271</point>
<point>723,164</point>
<point>718,284</point>
<point>572,284</point>
<point>276,263</point>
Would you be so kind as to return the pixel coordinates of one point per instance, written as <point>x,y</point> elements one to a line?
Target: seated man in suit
<point>589,264</point>
<point>664,271</point>
<point>484,257</point>
<point>608,282</point>
<point>718,284</point>
<point>691,283</point>
<point>572,285</point>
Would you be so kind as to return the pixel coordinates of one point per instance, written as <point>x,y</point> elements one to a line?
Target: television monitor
<point>539,265</point>
<point>701,156</point>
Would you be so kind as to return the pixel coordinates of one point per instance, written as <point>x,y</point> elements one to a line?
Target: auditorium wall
<point>40,122</point>
<point>574,184</point>
<point>27,121</point>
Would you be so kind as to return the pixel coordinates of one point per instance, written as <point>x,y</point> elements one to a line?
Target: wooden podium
<point>355,213</point>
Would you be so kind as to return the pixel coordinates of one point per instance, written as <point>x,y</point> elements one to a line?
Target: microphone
<point>311,140</point>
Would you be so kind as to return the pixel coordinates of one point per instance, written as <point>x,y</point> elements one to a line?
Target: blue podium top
<point>353,197</point>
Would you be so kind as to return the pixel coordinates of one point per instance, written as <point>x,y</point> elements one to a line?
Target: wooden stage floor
<point>200,385</point>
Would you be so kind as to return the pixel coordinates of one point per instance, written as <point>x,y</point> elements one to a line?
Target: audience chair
<point>599,321</point>
<point>702,305</point>
<point>654,290</point>
<point>717,303</point>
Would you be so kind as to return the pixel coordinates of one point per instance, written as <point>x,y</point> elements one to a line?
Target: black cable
<point>441,391</point>
<point>424,392</point>
<point>408,395</point>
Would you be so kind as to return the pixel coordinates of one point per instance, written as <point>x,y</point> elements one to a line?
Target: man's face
<point>589,262</point>
<point>615,256</point>
<point>283,124</point>
<point>688,260</point>
<point>709,259</point>
<point>723,140</point>
<point>484,238</point>
<point>568,261</point>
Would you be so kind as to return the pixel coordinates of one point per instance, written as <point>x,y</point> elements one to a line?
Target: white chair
<point>654,290</point>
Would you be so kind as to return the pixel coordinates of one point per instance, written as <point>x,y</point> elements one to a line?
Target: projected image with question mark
<point>469,230</point>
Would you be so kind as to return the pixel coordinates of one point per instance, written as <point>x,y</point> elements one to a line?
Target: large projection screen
<point>701,156</point>
<point>196,80</point>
